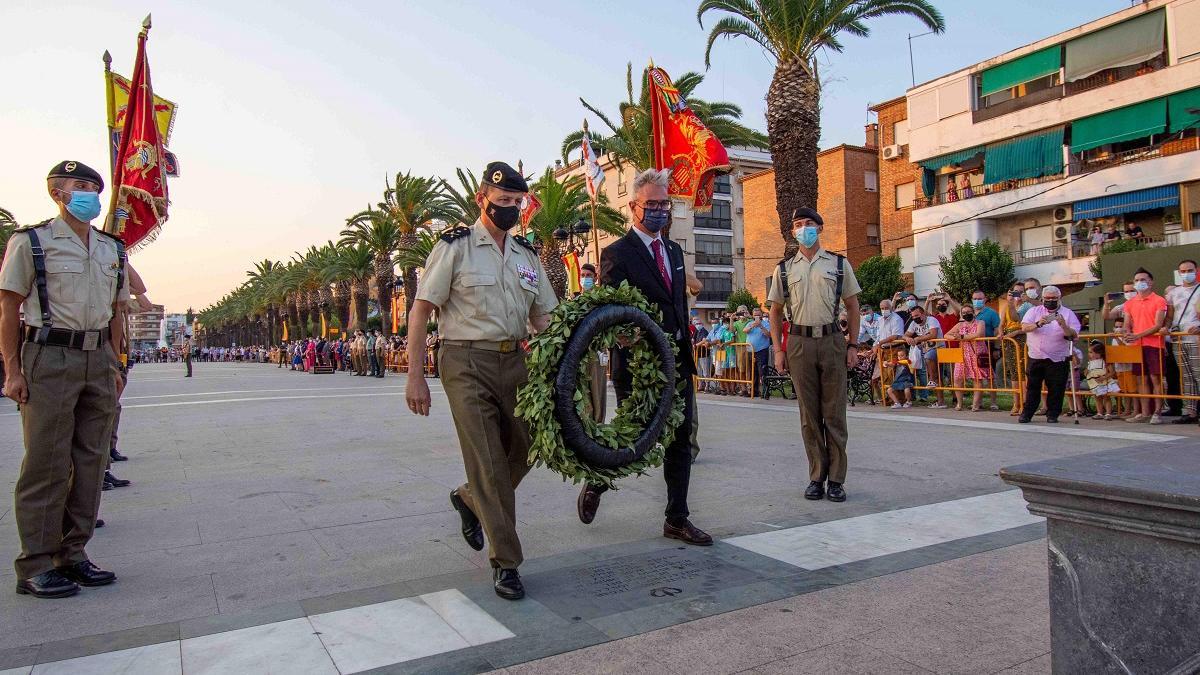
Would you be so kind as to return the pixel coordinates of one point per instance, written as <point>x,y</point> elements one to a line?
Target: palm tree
<point>350,270</point>
<point>8,224</point>
<point>415,255</point>
<point>264,278</point>
<point>462,198</point>
<point>793,32</point>
<point>630,140</point>
<point>564,204</point>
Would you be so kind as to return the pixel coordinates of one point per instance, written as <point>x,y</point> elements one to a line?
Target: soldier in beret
<point>62,368</point>
<point>489,287</point>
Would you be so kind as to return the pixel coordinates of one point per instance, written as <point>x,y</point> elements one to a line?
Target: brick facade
<point>842,200</point>
<point>895,223</point>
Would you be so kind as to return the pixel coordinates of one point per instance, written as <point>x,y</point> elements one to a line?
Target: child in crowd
<point>1102,381</point>
<point>902,380</point>
<point>1126,380</point>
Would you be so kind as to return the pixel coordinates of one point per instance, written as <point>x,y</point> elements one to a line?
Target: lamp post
<point>575,238</point>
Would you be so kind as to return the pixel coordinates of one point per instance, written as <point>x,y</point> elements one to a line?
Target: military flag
<point>139,206</point>
<point>529,208</point>
<point>682,143</point>
<point>571,260</point>
<point>591,167</point>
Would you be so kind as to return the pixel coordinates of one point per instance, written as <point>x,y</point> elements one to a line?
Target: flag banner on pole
<point>571,260</point>
<point>395,314</point>
<point>164,110</point>
<point>683,144</point>
<point>592,170</point>
<point>530,208</point>
<point>285,337</point>
<point>324,328</point>
<point>140,180</point>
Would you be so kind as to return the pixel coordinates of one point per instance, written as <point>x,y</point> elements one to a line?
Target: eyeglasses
<point>655,206</point>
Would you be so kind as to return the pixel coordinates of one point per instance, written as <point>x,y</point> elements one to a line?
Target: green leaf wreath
<point>535,400</point>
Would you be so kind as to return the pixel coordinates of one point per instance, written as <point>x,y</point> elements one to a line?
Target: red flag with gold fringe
<point>682,143</point>
<point>139,178</point>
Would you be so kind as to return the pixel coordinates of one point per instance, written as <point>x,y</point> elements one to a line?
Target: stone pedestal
<point>1123,533</point>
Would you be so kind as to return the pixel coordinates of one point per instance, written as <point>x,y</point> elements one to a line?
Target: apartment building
<point>713,241</point>
<point>898,181</point>
<point>145,328</point>
<point>1094,126</point>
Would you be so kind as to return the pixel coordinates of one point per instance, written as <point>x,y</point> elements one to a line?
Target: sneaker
<point>938,406</point>
<point>994,408</point>
<point>1136,419</point>
<point>908,405</point>
<point>896,406</point>
<point>1155,419</point>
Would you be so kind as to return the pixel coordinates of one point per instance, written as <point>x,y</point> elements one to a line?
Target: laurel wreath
<point>535,400</point>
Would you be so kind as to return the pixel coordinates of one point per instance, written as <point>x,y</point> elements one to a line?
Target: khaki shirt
<point>812,285</point>
<point>483,293</point>
<point>81,283</point>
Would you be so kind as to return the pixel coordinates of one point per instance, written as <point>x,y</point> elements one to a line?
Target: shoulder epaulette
<point>526,243</point>
<point>26,228</point>
<point>109,235</point>
<point>454,233</point>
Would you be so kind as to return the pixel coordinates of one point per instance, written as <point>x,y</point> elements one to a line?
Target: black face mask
<point>942,308</point>
<point>503,217</point>
<point>968,317</point>
<point>1050,304</point>
<point>919,320</point>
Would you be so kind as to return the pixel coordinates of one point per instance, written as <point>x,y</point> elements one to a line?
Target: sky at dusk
<point>291,114</point>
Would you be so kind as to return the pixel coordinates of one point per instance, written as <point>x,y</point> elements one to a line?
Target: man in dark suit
<point>654,265</point>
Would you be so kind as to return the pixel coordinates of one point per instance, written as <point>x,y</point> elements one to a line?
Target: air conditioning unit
<point>893,151</point>
<point>739,210</point>
<point>1062,214</point>
<point>1062,233</point>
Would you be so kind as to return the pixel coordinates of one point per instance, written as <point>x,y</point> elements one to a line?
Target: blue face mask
<point>84,205</point>
<point>587,283</point>
<point>808,236</point>
<point>655,220</point>
<point>977,304</point>
<point>1188,278</point>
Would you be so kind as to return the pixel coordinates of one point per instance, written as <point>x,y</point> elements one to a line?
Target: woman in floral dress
<point>968,329</point>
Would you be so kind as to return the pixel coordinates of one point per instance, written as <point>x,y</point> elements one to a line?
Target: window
<point>718,218</point>
<point>872,233</point>
<point>871,181</point>
<point>717,286</point>
<point>721,186</point>
<point>906,193</point>
<point>908,259</point>
<point>900,133</point>
<point>621,189</point>
<point>714,249</point>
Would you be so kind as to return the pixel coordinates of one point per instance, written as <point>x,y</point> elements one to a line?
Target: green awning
<point>1029,156</point>
<point>1124,44</point>
<point>1123,124</point>
<point>941,161</point>
<point>1019,71</point>
<point>1178,106</point>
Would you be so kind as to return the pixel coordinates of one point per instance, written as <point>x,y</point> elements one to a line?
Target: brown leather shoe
<point>687,533</point>
<point>586,505</point>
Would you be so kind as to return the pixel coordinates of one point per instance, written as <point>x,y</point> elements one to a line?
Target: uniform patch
<point>528,274</point>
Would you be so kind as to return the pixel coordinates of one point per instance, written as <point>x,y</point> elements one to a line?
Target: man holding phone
<point>1050,330</point>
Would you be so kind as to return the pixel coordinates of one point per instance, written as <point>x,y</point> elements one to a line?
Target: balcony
<point>714,259</point>
<point>1114,75</point>
<point>958,195</point>
<point>713,296</point>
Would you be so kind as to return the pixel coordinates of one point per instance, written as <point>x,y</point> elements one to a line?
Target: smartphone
<point>1114,296</point>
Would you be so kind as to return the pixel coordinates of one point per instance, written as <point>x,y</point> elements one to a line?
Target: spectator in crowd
<point>891,330</point>
<point>1032,298</point>
<point>1097,240</point>
<point>703,351</point>
<point>1125,378</point>
<point>943,309</point>
<point>1101,381</point>
<point>757,332</point>
<point>868,326</point>
<point>587,277</point>
<point>902,377</point>
<point>975,358</point>
<point>1112,234</point>
<point>903,303</point>
<point>921,337</point>
<point>1049,330</point>
<point>1111,312</point>
<point>1134,231</point>
<point>1145,315</point>
<point>991,329</point>
<point>1184,301</point>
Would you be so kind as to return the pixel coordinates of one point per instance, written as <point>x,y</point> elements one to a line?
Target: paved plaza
<point>292,523</point>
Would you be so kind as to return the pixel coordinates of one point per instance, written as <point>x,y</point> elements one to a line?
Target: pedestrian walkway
<point>617,595</point>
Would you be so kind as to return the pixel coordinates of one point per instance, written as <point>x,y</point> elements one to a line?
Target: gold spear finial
<point>146,23</point>
<point>107,58</point>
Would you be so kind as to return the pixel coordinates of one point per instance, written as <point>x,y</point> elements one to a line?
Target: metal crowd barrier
<point>726,368</point>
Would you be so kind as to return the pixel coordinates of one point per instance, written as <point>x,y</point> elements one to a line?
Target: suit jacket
<point>628,259</point>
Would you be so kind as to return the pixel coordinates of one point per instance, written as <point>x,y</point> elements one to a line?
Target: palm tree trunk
<point>359,293</point>
<point>556,269</point>
<point>341,301</point>
<point>384,276</point>
<point>794,125</point>
<point>410,289</point>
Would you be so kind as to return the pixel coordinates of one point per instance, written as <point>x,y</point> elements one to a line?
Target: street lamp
<point>574,239</point>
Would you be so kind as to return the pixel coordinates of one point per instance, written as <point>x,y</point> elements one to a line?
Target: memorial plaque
<point>633,582</point>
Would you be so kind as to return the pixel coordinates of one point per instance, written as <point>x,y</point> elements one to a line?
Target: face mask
<point>968,317</point>
<point>1188,278</point>
<point>1032,293</point>
<point>910,304</point>
<point>1050,304</point>
<point>977,304</point>
<point>1142,286</point>
<point>807,235</point>
<point>503,217</point>
<point>885,312</point>
<point>655,220</point>
<point>942,308</point>
<point>84,205</point>
<point>587,283</point>
<point>1129,295</point>
<point>919,320</point>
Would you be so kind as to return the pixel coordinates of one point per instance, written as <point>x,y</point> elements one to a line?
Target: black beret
<point>503,176</point>
<point>77,170</point>
<point>805,212</point>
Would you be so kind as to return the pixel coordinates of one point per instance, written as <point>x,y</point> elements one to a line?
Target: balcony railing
<point>979,191</point>
<point>1175,146</point>
<point>1114,75</point>
<point>1081,249</point>
<point>713,259</point>
<point>714,296</point>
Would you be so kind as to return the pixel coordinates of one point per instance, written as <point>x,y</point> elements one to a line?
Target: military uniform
<point>187,355</point>
<point>816,354</point>
<point>485,298</point>
<point>71,376</point>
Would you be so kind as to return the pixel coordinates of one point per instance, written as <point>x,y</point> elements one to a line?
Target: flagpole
<point>592,197</point>
<point>111,112</point>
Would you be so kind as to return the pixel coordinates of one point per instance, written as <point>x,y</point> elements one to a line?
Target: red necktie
<point>656,246</point>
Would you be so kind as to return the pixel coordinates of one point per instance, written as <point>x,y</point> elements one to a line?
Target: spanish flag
<point>571,260</point>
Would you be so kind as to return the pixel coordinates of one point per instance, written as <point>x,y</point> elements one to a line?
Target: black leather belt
<point>814,331</point>
<point>87,340</point>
